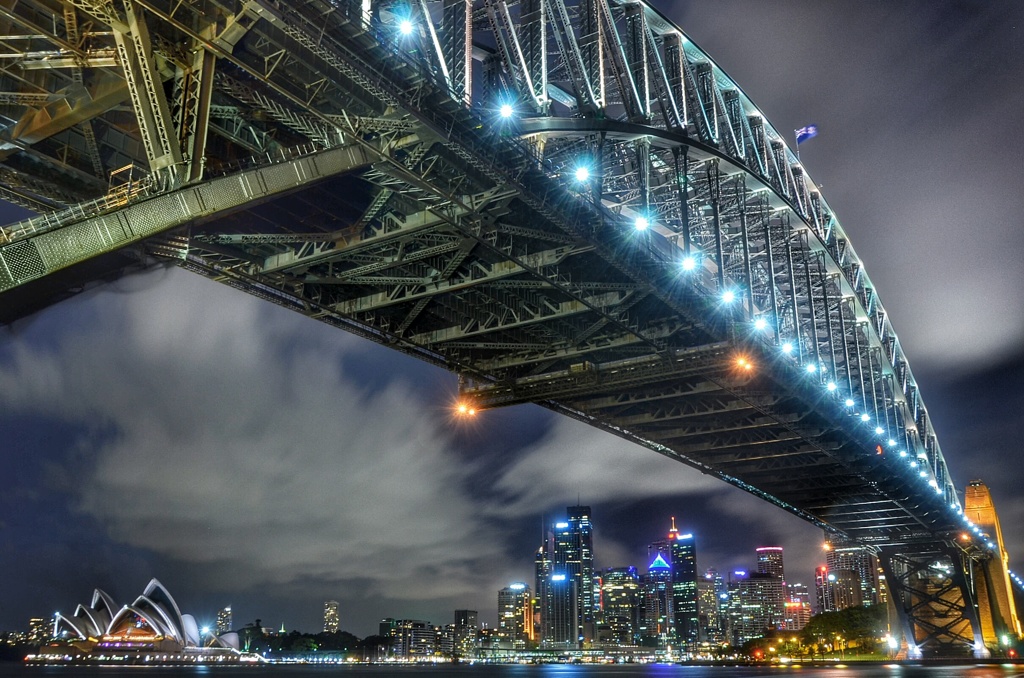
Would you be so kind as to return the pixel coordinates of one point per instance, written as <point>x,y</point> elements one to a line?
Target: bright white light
<point>892,443</point>
<point>913,464</point>
<point>923,474</point>
<point>787,348</point>
<point>205,630</point>
<point>849,402</point>
<point>689,263</point>
<point>728,296</point>
<point>405,27</point>
<point>831,386</point>
<point>865,417</point>
<point>641,223</point>
<point>582,173</point>
<point>506,110</point>
<point>879,430</point>
<point>812,368</point>
<point>760,324</point>
<point>903,453</point>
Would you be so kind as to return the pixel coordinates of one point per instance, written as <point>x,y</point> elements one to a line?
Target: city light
<point>405,27</point>
<point>582,173</point>
<point>641,223</point>
<point>506,110</point>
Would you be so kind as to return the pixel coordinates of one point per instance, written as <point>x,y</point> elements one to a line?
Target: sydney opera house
<point>151,629</point>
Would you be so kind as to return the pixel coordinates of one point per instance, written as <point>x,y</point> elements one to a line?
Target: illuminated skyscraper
<point>565,581</point>
<point>769,564</point>
<point>680,552</point>
<point>331,616</point>
<point>466,627</point>
<point>657,587</point>
<point>769,561</point>
<point>621,592</point>
<point>515,614</point>
<point>224,621</point>
<point>854,563</point>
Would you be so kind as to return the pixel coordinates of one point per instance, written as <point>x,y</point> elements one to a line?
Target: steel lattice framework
<point>462,180</point>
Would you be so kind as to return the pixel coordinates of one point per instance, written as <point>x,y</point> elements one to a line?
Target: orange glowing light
<point>965,536</point>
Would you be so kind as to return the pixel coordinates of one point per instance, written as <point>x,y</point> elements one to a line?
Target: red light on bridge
<point>878,449</point>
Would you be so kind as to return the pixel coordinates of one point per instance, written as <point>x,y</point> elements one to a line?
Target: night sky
<point>166,426</point>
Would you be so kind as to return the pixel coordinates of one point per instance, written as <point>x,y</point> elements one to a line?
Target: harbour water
<point>14,670</point>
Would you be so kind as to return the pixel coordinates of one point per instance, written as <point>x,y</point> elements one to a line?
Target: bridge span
<point>566,202</point>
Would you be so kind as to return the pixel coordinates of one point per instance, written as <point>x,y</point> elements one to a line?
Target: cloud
<point>231,437</point>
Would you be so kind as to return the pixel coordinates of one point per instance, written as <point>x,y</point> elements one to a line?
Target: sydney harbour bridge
<point>566,202</point>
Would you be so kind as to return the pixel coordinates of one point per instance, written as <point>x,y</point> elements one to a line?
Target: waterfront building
<point>708,605</point>
<point>151,625</point>
<point>679,550</point>
<point>620,594</point>
<point>466,627</point>
<point>564,569</point>
<point>515,615</point>
<point>331,616</point>
<point>844,557</point>
<point>225,620</point>
<point>798,607</point>
<point>770,565</point>
<point>41,630</point>
<point>412,638</point>
<point>657,588</point>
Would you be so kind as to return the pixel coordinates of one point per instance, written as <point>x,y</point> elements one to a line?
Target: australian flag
<point>805,133</point>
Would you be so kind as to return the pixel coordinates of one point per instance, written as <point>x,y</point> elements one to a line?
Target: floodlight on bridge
<point>582,173</point>
<point>728,296</point>
<point>879,430</point>
<point>892,443</point>
<point>831,386</point>
<point>465,409</point>
<point>689,262</point>
<point>811,368</point>
<point>787,348</point>
<point>641,223</point>
<point>903,453</point>
<point>405,27</point>
<point>760,324</point>
<point>849,402</point>
<point>506,111</point>
<point>865,417</point>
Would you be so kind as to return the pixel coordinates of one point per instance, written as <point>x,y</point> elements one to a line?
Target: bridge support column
<point>934,600</point>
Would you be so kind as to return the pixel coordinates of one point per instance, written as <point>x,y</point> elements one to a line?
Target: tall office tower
<point>843,556</point>
<point>798,607</point>
<point>515,614</point>
<point>769,561</point>
<point>680,551</point>
<point>769,564</point>
<point>224,621</point>
<point>466,627</point>
<point>331,616</point>
<point>621,593</point>
<point>707,603</point>
<point>657,588</point>
<point>565,581</point>
<point>822,591</point>
<point>751,611</point>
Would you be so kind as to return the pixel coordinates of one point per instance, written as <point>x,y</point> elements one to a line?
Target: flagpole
<point>796,138</point>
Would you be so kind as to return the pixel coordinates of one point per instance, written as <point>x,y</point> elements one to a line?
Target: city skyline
<point>268,459</point>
